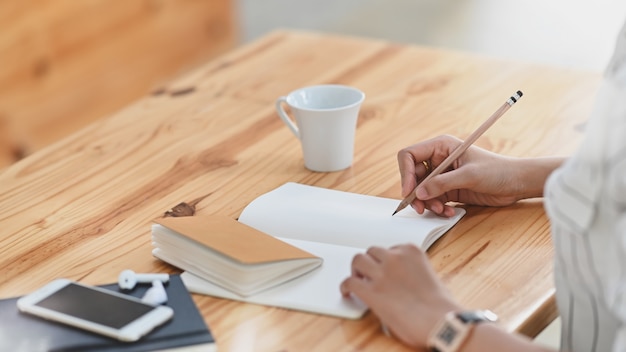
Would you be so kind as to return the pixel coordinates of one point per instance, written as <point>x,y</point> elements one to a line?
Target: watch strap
<point>455,328</point>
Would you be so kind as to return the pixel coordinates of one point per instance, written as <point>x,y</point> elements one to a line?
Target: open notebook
<point>332,225</point>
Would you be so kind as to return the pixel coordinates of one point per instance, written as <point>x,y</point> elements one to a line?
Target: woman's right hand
<point>477,177</point>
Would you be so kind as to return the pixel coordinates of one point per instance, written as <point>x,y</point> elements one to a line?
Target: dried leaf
<point>185,209</point>
<point>182,91</point>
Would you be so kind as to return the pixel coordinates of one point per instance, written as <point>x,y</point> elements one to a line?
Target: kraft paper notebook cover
<point>229,253</point>
<point>186,331</point>
<point>332,225</point>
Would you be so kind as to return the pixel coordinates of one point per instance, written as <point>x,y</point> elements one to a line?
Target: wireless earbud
<point>128,279</point>
<point>156,294</point>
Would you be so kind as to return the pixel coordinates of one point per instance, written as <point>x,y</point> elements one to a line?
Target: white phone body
<point>95,309</point>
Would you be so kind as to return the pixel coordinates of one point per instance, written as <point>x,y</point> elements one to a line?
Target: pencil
<point>462,148</point>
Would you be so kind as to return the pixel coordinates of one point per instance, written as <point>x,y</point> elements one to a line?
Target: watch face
<point>477,316</point>
<point>447,334</point>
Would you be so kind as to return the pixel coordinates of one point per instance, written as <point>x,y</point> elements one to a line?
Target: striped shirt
<point>585,200</point>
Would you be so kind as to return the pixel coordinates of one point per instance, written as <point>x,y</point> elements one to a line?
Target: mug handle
<point>286,119</point>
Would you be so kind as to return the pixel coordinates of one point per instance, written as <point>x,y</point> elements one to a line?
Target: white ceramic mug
<point>325,123</point>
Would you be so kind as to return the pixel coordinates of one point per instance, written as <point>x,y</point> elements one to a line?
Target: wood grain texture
<point>82,208</point>
<point>66,63</point>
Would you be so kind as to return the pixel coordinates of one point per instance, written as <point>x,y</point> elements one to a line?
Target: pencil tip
<point>394,213</point>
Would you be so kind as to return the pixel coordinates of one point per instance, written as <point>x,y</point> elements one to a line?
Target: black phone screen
<point>94,306</point>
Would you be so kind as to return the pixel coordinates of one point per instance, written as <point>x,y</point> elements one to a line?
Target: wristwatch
<point>455,328</point>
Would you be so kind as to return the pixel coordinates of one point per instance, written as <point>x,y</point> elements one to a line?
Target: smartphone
<point>95,309</point>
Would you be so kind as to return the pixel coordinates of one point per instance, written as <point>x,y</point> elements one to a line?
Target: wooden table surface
<point>82,208</point>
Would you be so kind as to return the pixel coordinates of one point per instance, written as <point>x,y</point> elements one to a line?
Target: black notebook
<point>22,332</point>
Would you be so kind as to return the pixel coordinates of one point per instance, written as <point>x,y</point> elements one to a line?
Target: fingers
<point>411,171</point>
<point>365,267</point>
<point>369,269</point>
<point>352,285</point>
<point>417,160</point>
<point>439,190</point>
<point>442,184</point>
<point>407,163</point>
<point>414,163</point>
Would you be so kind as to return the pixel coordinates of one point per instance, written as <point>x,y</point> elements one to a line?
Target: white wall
<point>574,33</point>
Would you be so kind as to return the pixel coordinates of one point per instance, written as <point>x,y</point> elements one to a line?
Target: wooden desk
<point>68,63</point>
<point>82,208</point>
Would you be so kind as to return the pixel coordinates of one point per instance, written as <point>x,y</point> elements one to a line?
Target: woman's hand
<point>401,288</point>
<point>477,177</point>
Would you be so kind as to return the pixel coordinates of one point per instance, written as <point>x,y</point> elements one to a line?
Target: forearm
<point>532,174</point>
<point>489,337</point>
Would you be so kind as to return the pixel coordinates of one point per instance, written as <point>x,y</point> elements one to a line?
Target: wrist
<point>532,174</point>
<point>456,327</point>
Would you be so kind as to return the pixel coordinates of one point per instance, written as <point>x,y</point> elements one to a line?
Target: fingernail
<point>421,194</point>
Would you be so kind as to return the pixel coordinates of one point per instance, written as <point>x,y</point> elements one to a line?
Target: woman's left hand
<point>401,288</point>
